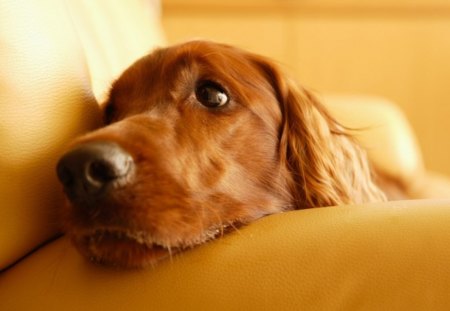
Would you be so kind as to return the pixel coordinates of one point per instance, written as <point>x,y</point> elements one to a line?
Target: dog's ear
<point>327,167</point>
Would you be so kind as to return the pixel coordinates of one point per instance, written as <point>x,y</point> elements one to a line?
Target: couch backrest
<point>58,59</point>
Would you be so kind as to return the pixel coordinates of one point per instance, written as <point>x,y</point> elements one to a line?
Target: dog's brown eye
<point>211,95</point>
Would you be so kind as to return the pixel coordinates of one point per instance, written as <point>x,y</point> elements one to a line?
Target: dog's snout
<point>86,170</point>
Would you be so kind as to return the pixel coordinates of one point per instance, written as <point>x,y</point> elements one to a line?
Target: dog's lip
<point>117,235</point>
<point>145,239</point>
<point>124,247</point>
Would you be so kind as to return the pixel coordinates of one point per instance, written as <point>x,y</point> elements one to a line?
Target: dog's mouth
<point>122,248</point>
<point>126,248</point>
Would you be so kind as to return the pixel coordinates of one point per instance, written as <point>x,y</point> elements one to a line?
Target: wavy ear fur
<point>326,165</point>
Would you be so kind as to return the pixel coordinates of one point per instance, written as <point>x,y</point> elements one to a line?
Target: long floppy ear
<point>327,167</point>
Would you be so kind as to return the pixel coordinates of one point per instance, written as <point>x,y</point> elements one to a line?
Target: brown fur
<point>198,170</point>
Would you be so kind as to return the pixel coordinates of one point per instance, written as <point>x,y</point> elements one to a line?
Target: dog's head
<point>199,138</point>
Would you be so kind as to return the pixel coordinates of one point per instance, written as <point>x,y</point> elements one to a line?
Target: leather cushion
<point>386,256</point>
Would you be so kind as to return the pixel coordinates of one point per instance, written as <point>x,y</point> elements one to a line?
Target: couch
<point>58,59</point>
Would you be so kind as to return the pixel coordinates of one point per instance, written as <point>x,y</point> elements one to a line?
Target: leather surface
<point>45,99</point>
<point>391,256</point>
<point>429,185</point>
<point>114,34</point>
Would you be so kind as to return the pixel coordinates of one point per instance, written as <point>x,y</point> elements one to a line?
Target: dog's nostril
<point>97,174</point>
<point>87,169</point>
<point>101,171</point>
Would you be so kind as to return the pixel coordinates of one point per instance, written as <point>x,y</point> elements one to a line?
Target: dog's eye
<point>211,95</point>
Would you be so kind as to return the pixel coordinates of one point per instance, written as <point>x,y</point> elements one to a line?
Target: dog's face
<point>199,138</point>
<point>190,149</point>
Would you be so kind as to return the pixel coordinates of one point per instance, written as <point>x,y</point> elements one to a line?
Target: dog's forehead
<point>175,72</point>
<point>201,59</point>
<point>169,77</point>
<point>173,58</point>
<point>196,60</point>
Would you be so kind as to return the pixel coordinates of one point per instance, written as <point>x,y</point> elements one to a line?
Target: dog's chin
<point>122,248</point>
<point>134,249</point>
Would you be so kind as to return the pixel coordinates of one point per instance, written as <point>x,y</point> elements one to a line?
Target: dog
<point>199,139</point>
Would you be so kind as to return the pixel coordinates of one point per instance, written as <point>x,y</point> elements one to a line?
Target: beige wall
<point>395,49</point>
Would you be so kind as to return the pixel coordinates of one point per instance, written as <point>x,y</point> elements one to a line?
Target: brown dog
<point>201,137</point>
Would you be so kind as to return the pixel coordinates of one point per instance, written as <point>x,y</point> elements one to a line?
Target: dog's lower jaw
<point>126,248</point>
<point>117,249</point>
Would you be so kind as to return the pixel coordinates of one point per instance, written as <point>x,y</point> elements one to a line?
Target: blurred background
<point>399,50</point>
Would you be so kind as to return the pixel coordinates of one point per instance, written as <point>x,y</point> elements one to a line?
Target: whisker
<point>234,227</point>
<point>169,250</point>
<point>219,219</point>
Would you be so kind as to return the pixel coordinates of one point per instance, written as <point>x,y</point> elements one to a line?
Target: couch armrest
<point>55,56</point>
<point>429,185</point>
<point>389,256</point>
<point>383,130</point>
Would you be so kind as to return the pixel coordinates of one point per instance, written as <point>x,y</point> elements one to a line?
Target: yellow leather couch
<point>58,58</point>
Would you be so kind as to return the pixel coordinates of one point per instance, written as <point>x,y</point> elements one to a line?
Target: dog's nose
<point>86,170</point>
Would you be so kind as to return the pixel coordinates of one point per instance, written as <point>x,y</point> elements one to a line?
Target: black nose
<point>87,170</point>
